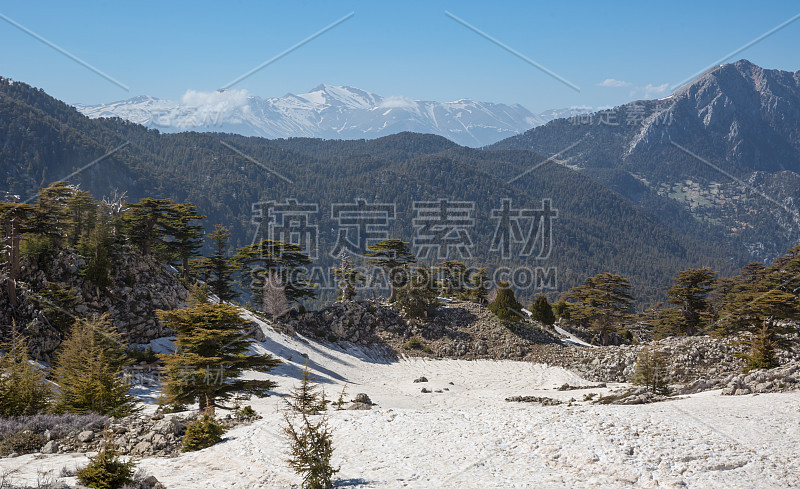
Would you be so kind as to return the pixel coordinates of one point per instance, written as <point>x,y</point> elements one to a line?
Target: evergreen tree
<point>257,261</point>
<point>561,310</point>
<point>650,371</point>
<point>58,304</point>
<point>690,292</point>
<point>306,398</point>
<point>50,218</point>
<point>187,238</point>
<point>542,312</point>
<point>479,292</point>
<point>763,316</point>
<point>604,302</point>
<point>14,219</point>
<point>505,305</point>
<point>89,370</point>
<point>145,224</point>
<point>202,433</point>
<point>310,443</point>
<point>106,470</point>
<point>218,269</point>
<point>393,256</point>
<point>95,247</point>
<point>453,279</point>
<point>762,350</point>
<point>418,297</point>
<point>212,341</point>
<point>81,212</point>
<point>24,391</point>
<point>311,450</point>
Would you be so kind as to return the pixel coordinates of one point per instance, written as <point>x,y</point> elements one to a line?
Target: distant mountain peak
<point>326,111</point>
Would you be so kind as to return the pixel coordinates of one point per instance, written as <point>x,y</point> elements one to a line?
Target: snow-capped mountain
<point>331,112</point>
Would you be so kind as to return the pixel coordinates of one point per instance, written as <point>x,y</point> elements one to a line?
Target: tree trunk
<point>206,404</point>
<point>12,258</point>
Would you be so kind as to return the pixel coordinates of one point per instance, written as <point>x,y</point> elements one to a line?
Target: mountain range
<point>705,177</point>
<point>329,112</point>
<point>725,149</point>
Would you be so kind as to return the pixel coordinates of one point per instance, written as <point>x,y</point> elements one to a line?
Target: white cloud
<point>395,102</point>
<point>204,109</point>
<point>655,90</point>
<point>611,82</point>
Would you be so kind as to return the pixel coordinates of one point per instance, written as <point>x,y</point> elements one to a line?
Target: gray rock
<point>363,398</point>
<point>142,448</point>
<point>85,436</point>
<point>50,447</point>
<point>421,379</point>
<point>169,426</point>
<point>151,483</point>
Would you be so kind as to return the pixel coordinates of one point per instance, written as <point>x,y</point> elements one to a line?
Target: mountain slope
<point>725,148</point>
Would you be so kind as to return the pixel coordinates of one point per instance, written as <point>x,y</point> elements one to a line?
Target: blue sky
<point>407,48</point>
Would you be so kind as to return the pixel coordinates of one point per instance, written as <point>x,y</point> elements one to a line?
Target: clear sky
<point>613,51</point>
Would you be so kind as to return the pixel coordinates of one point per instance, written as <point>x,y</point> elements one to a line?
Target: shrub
<point>59,426</point>
<point>106,470</point>
<point>311,449</point>
<point>651,371</point>
<point>762,351</point>
<point>39,247</point>
<point>505,305</point>
<point>305,398</point>
<point>561,310</point>
<point>246,412</point>
<point>21,442</point>
<point>413,344</point>
<point>341,401</point>
<point>542,311</point>
<point>23,388</point>
<point>146,355</point>
<point>88,370</point>
<point>202,433</point>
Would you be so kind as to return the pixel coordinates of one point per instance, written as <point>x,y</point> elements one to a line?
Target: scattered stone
<point>544,401</point>
<point>421,379</point>
<point>567,387</point>
<point>425,390</point>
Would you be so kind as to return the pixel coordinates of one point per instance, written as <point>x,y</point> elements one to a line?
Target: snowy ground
<point>469,437</point>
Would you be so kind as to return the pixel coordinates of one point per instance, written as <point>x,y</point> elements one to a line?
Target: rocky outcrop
<point>458,329</point>
<point>781,379</point>
<point>356,322</point>
<point>688,359</point>
<point>544,401</point>
<point>632,395</point>
<point>140,286</point>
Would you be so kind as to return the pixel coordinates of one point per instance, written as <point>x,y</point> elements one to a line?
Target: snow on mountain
<point>330,112</point>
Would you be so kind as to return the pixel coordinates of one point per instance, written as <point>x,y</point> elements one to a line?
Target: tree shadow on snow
<point>351,483</point>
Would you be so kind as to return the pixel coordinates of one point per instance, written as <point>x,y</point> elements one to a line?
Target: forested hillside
<point>596,229</point>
